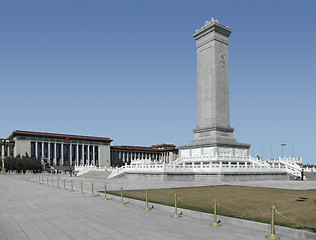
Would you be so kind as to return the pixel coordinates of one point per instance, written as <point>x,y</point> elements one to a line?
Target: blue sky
<point>127,70</point>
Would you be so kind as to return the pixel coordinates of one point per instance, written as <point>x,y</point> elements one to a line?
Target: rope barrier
<point>122,196</point>
<point>176,215</point>
<point>92,193</point>
<point>72,186</point>
<point>146,196</point>
<point>39,180</point>
<point>215,223</point>
<point>291,220</point>
<point>81,189</point>
<point>105,198</point>
<point>272,235</point>
<point>195,205</point>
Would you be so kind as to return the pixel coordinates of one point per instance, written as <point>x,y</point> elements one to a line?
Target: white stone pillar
<point>93,155</point>
<point>61,154</point>
<point>88,155</point>
<point>55,154</point>
<point>48,153</point>
<point>36,149</point>
<point>42,157</point>
<point>82,149</point>
<point>77,155</point>
<point>99,155</point>
<point>70,154</point>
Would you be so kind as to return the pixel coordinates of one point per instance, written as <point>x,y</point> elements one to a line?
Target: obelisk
<point>213,134</point>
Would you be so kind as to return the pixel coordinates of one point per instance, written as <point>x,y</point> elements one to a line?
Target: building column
<point>48,153</point>
<point>170,157</point>
<point>93,155</point>
<point>82,149</point>
<point>70,154</point>
<point>55,154</point>
<point>99,156</point>
<point>88,155</point>
<point>77,155</point>
<point>61,154</point>
<point>42,157</point>
<point>36,149</point>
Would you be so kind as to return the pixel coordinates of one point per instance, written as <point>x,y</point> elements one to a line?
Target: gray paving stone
<point>32,211</point>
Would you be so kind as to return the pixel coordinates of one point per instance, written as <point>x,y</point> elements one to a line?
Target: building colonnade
<point>128,156</point>
<point>59,154</point>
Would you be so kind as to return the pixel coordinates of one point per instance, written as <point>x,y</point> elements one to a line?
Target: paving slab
<point>36,211</point>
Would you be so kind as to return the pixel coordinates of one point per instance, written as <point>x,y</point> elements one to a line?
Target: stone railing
<point>196,168</point>
<point>81,169</point>
<point>289,164</point>
<point>228,158</point>
<point>310,169</point>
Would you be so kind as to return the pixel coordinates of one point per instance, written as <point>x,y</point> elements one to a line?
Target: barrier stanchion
<point>72,186</point>
<point>58,183</point>
<point>122,196</point>
<point>215,223</point>
<point>81,189</point>
<point>146,208</point>
<point>105,193</point>
<point>92,193</point>
<point>176,215</point>
<point>272,235</point>
<point>52,182</point>
<point>43,181</point>
<point>47,182</point>
<point>64,184</point>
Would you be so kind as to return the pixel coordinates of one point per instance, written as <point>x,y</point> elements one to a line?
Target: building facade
<point>64,151</point>
<point>61,150</point>
<point>160,153</point>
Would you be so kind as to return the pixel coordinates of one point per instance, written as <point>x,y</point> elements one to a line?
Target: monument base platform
<point>214,154</point>
<point>205,177</point>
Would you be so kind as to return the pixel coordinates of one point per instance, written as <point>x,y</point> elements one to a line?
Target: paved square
<point>33,211</point>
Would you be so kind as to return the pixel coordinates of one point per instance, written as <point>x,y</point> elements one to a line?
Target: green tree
<point>22,163</point>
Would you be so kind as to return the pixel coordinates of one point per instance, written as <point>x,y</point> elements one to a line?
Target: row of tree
<point>22,163</point>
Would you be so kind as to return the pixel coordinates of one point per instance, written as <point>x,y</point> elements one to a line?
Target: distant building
<point>64,151</point>
<point>134,154</point>
<point>60,149</point>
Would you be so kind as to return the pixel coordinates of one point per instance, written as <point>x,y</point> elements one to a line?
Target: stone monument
<point>213,154</point>
<point>213,135</point>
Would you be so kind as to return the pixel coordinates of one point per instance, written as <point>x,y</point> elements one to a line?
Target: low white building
<point>60,150</point>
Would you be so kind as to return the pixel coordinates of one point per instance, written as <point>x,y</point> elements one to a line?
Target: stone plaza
<point>53,213</point>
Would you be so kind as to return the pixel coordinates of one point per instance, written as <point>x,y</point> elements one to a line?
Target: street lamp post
<point>282,149</point>
<point>3,143</point>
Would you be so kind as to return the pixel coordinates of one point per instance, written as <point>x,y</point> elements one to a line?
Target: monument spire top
<point>210,26</point>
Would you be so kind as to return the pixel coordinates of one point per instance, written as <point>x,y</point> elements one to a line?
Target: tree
<point>22,163</point>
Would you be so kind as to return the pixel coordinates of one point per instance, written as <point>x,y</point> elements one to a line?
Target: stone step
<point>310,175</point>
<point>96,174</point>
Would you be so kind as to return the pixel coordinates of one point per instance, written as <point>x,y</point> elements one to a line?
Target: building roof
<point>153,148</point>
<point>57,135</point>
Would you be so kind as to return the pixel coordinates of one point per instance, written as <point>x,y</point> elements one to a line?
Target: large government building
<point>66,151</point>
